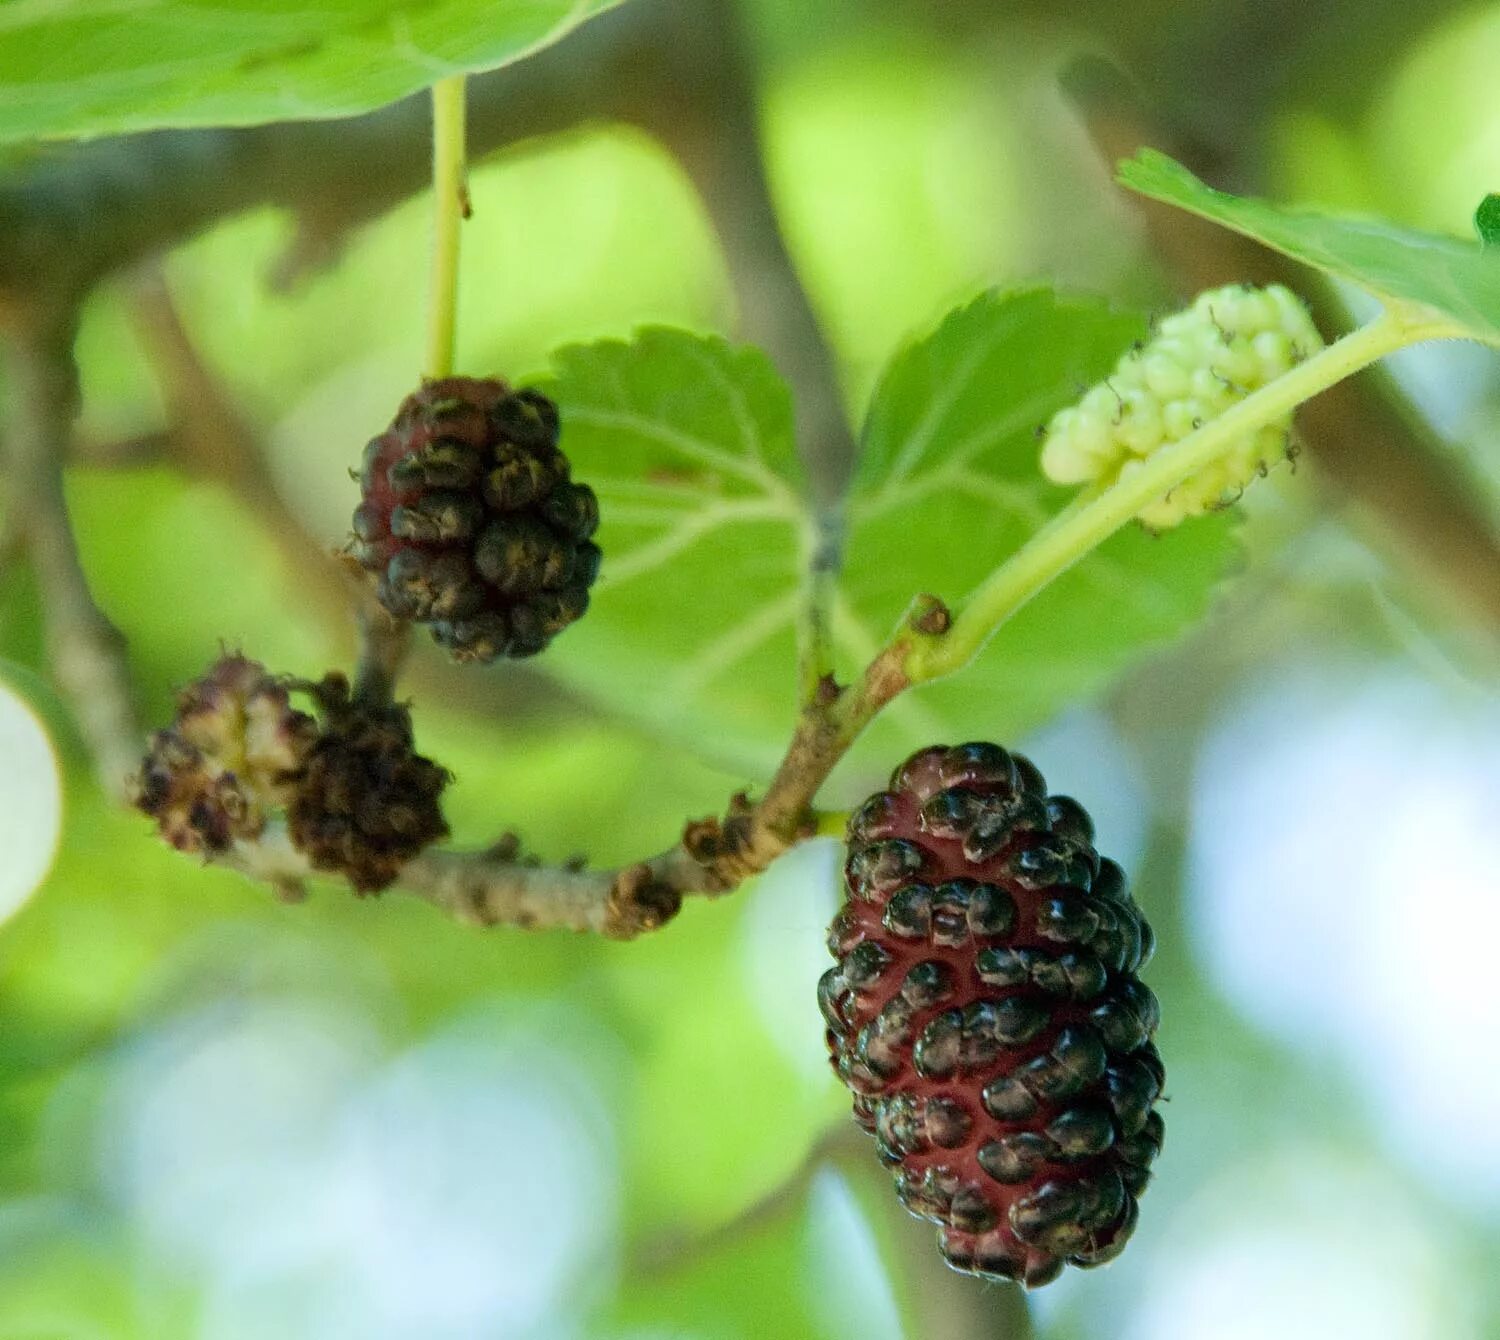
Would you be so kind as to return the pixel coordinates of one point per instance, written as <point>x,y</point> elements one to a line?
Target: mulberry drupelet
<point>986,1014</point>
<point>471,523</point>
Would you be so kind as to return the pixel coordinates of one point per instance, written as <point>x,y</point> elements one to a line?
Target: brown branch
<point>951,1306</point>
<point>384,642</point>
<point>707,114</point>
<point>944,1304</point>
<point>87,652</point>
<point>12,541</point>
<point>713,856</point>
<point>1368,444</point>
<point>210,440</point>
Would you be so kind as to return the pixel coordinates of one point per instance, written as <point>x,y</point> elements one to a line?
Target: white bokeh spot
<point>316,1190</point>
<point>1082,755</point>
<point>30,802</point>
<point>1344,892</point>
<point>1301,1243</point>
<point>784,950</point>
<point>849,1285</point>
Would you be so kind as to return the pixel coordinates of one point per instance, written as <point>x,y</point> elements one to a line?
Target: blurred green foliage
<point>906,161</point>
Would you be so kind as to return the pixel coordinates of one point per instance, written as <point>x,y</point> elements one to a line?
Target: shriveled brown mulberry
<point>235,751</point>
<point>471,523</point>
<point>986,1014</point>
<point>367,802</point>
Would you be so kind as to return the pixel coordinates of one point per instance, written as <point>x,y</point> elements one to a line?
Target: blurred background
<point>225,1118</point>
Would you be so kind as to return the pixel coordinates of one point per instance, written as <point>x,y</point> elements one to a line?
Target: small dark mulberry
<point>986,1013</point>
<point>234,753</point>
<point>471,523</point>
<point>367,802</point>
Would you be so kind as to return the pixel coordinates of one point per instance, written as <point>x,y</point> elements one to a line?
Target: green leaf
<point>1456,278</point>
<point>949,487</point>
<point>99,68</point>
<point>1487,220</point>
<point>688,443</point>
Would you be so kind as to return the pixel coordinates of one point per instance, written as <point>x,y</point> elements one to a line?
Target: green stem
<point>450,201</point>
<point>1080,528</point>
<point>815,633</point>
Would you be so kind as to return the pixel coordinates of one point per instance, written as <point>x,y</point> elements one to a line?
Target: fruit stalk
<point>450,198</point>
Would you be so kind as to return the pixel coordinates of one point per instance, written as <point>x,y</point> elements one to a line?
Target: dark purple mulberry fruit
<point>470,522</point>
<point>235,751</point>
<point>367,802</point>
<point>986,1014</point>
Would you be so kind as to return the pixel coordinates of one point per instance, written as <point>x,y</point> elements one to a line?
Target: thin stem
<point>1078,530</point>
<point>383,644</point>
<point>450,206</point>
<point>815,634</point>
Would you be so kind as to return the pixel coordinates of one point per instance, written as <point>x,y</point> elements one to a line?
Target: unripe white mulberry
<point>1201,361</point>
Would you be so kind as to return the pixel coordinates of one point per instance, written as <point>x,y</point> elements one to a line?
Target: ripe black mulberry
<point>367,802</point>
<point>471,523</point>
<point>986,1014</point>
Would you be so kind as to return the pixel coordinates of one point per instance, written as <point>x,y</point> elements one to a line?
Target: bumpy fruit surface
<point>986,1014</point>
<point>235,751</point>
<point>367,802</point>
<point>1230,342</point>
<point>471,523</point>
